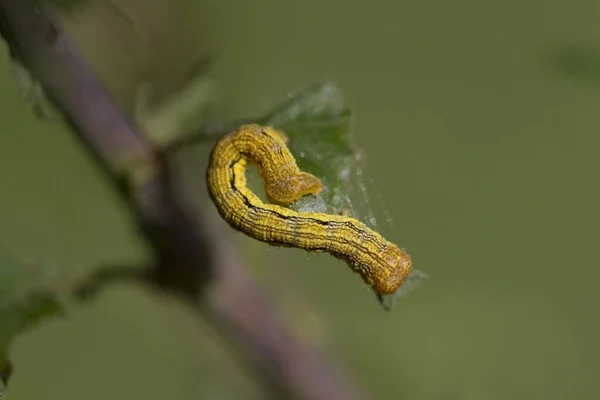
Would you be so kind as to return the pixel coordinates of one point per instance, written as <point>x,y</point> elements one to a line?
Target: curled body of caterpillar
<point>381,264</point>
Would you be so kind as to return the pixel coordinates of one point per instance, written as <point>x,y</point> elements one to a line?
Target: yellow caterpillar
<point>381,264</point>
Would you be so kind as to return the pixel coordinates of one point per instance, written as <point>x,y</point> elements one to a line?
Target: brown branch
<point>185,259</point>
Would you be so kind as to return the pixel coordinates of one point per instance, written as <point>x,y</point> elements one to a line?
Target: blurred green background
<point>483,150</point>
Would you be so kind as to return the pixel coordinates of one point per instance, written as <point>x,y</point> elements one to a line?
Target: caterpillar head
<point>399,264</point>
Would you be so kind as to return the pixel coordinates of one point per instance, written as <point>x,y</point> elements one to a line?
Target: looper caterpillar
<point>381,264</point>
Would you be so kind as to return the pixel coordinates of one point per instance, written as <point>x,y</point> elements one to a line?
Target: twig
<point>184,256</point>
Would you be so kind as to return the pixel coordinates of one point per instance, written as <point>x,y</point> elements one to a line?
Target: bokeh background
<point>483,146</point>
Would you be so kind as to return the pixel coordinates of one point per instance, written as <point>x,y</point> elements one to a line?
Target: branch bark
<point>185,260</point>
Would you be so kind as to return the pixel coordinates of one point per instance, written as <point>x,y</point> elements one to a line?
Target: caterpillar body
<point>381,264</point>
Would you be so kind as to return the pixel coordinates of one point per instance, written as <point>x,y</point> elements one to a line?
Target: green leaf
<point>32,92</point>
<point>317,122</point>
<point>23,303</point>
<point>170,120</point>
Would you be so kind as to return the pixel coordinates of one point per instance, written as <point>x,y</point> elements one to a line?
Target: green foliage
<point>317,122</point>
<point>23,303</point>
<point>31,92</point>
<point>170,120</point>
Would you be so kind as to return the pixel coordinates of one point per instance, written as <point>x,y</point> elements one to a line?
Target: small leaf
<point>32,93</point>
<point>22,304</point>
<point>168,122</point>
<point>317,122</point>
